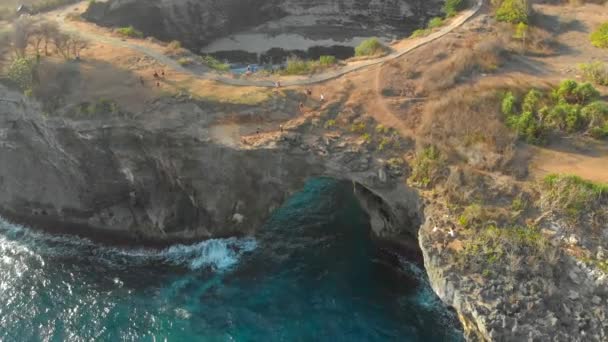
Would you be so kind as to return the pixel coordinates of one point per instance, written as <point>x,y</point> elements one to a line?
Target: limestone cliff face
<point>197,22</point>
<point>166,181</point>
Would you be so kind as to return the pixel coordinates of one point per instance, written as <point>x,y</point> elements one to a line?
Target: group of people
<point>157,78</point>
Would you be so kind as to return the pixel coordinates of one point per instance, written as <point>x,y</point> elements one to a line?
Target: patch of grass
<point>488,247</point>
<point>435,22</point>
<point>420,33</point>
<point>358,127</point>
<point>327,60</point>
<point>330,124</point>
<point>130,31</point>
<point>572,196</point>
<point>214,63</point>
<point>297,66</point>
<point>426,166</point>
<point>451,7</point>
<point>596,72</point>
<point>599,37</point>
<point>370,47</point>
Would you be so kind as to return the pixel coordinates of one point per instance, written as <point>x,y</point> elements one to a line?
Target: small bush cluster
<point>214,63</point>
<point>571,107</point>
<point>596,72</point>
<point>426,166</point>
<point>130,31</point>
<point>370,47</point>
<point>599,37</point>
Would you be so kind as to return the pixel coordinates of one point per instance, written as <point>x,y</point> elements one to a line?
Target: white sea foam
<point>216,254</point>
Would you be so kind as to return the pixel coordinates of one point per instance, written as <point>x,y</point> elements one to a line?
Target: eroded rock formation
<point>197,22</point>
<point>162,179</point>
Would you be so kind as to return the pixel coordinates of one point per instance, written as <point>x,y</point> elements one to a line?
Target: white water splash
<point>216,254</point>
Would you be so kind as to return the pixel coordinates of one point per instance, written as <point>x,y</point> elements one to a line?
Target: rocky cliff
<point>162,179</point>
<point>197,22</point>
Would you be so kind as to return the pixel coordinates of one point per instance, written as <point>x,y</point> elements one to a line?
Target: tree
<point>20,72</point>
<point>48,30</point>
<point>77,46</point>
<point>521,32</point>
<point>62,44</point>
<point>23,29</point>
<point>514,11</point>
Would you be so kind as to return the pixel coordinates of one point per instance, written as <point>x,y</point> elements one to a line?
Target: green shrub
<point>215,64</point>
<point>599,132</point>
<point>426,166</point>
<point>381,129</point>
<point>185,61</point>
<point>585,93</point>
<point>327,60</point>
<point>596,117</point>
<point>599,37</point>
<point>435,22</point>
<point>451,7</point>
<point>297,66</point>
<point>570,108</point>
<point>508,104</point>
<point>358,127</point>
<point>573,195</point>
<point>596,72</point>
<point>130,31</point>
<point>513,11</point>
<point>527,127</point>
<point>531,101</point>
<point>329,124</point>
<point>20,72</point>
<point>370,47</point>
<point>564,92</point>
<point>420,33</point>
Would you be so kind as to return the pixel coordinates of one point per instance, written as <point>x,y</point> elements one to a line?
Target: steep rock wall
<point>197,22</point>
<point>121,180</point>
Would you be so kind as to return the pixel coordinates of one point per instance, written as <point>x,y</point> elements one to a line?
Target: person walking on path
<point>322,98</point>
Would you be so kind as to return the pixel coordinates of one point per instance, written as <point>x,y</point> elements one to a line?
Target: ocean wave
<point>215,254</point>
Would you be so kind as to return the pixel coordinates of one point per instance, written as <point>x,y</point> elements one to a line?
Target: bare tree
<point>48,30</point>
<point>23,29</point>
<point>62,44</point>
<point>77,45</point>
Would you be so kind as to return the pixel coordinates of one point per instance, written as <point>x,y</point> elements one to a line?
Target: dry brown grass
<point>466,116</point>
<point>467,59</point>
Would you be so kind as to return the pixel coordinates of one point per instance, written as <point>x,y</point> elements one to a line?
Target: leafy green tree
<point>513,11</point>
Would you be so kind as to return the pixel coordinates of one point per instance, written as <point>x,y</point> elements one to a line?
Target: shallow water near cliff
<point>312,274</point>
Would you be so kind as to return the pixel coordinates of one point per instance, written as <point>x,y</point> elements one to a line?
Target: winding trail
<point>319,78</point>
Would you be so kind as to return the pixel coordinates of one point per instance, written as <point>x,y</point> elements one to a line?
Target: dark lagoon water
<point>312,274</point>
